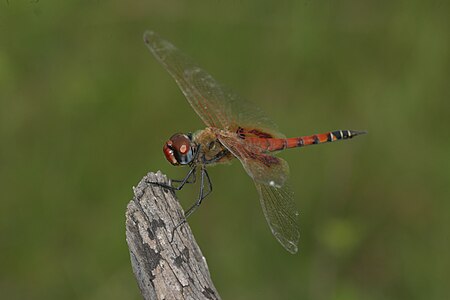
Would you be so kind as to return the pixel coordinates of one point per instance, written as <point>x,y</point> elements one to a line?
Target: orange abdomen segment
<point>276,144</point>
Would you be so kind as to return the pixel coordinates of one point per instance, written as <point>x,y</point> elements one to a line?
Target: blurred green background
<point>85,110</point>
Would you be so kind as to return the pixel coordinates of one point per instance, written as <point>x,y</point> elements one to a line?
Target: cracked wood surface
<point>165,267</point>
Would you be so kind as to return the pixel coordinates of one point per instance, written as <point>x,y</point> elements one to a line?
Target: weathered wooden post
<point>165,266</point>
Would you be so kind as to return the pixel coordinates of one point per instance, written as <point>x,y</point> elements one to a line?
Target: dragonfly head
<point>179,149</point>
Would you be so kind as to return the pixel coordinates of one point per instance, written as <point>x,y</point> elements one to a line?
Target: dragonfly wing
<point>216,105</point>
<point>270,174</point>
<point>261,167</point>
<point>281,214</point>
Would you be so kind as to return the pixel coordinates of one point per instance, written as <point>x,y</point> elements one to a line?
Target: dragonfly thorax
<point>179,149</point>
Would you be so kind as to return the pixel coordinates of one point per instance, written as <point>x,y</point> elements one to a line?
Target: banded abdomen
<point>277,144</point>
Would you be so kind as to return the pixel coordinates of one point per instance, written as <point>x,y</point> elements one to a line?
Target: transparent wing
<point>261,167</point>
<point>216,105</point>
<point>270,174</point>
<point>281,214</point>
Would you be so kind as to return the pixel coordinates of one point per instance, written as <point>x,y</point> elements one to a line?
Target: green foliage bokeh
<point>85,109</point>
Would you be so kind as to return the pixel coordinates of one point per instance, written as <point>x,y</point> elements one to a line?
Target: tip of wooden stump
<point>164,266</point>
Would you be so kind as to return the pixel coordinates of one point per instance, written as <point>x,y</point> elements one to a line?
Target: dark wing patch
<point>258,133</point>
<point>267,160</point>
<point>262,167</point>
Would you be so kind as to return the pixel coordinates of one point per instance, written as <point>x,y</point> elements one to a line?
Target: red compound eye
<point>168,152</point>
<point>179,149</point>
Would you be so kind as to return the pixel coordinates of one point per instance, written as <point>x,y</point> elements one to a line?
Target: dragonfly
<point>235,129</point>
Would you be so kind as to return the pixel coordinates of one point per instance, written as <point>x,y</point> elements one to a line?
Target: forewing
<point>270,174</point>
<point>216,105</point>
<point>281,214</point>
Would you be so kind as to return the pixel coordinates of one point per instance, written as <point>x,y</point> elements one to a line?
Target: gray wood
<point>165,267</point>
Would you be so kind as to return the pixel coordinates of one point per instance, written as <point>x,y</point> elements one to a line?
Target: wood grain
<point>165,266</point>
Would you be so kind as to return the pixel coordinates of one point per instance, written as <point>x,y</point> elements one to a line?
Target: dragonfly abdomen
<point>277,144</point>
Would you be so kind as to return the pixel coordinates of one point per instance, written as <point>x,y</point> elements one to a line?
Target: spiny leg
<point>189,178</point>
<point>202,195</point>
<point>216,158</point>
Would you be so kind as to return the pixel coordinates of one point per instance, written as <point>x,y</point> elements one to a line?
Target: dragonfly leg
<point>189,178</point>
<point>216,158</point>
<point>203,192</point>
<point>202,195</point>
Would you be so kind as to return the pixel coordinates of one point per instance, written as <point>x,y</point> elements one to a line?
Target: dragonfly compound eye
<point>179,149</point>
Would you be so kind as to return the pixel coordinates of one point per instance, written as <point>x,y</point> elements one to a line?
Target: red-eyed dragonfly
<point>235,129</point>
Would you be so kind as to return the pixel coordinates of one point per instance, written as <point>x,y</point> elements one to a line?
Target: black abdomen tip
<point>356,132</point>
<point>347,134</point>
